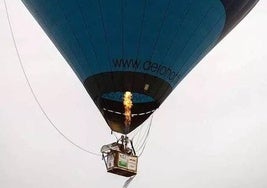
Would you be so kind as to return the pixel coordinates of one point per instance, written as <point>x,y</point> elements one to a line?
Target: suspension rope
<point>142,147</point>
<point>32,90</point>
<point>129,180</point>
<point>140,133</point>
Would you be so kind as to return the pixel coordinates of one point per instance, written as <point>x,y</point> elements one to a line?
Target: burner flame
<point>128,103</point>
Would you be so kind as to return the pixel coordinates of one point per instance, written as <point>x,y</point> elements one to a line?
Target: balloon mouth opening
<point>133,114</point>
<point>116,120</point>
<point>113,109</point>
<point>136,97</point>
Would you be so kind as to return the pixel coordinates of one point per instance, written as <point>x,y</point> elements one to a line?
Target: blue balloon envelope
<point>142,46</point>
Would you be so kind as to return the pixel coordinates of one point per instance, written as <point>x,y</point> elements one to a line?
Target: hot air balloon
<point>131,54</point>
<point>145,47</point>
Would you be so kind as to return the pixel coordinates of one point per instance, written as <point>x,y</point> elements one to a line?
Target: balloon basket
<point>121,164</point>
<point>120,158</point>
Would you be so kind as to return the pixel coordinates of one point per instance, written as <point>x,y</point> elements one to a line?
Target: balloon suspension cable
<point>143,146</point>
<point>32,90</point>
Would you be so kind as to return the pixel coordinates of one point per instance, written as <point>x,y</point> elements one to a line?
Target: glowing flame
<point>127,102</point>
